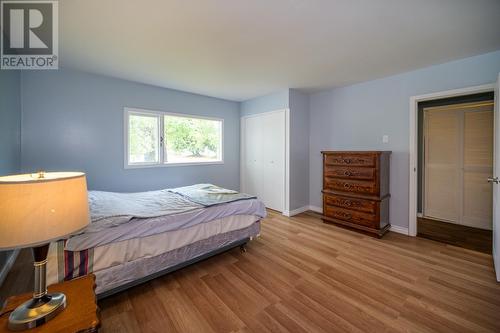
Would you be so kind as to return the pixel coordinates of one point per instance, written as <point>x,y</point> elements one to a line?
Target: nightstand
<point>81,314</point>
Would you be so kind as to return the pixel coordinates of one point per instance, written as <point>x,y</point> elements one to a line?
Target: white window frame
<point>127,112</point>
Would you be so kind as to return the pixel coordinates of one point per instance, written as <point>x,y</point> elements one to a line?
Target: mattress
<point>142,227</point>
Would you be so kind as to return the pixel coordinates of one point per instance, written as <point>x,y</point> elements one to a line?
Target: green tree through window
<point>143,140</point>
<point>192,137</point>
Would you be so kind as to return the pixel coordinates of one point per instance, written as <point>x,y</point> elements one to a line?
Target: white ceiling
<point>240,49</point>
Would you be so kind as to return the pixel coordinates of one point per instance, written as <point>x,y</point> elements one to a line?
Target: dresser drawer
<point>361,205</point>
<point>369,220</point>
<point>352,186</point>
<point>350,172</point>
<point>351,159</point>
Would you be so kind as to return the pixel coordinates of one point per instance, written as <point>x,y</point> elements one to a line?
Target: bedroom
<point>150,99</point>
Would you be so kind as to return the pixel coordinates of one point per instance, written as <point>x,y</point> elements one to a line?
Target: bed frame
<point>241,243</point>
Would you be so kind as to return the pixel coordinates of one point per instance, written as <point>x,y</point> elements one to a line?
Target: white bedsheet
<point>117,253</point>
<point>150,226</point>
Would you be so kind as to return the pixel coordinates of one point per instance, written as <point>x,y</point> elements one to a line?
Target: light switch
<point>385,139</point>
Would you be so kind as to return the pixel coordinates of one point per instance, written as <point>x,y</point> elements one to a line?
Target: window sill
<point>166,165</point>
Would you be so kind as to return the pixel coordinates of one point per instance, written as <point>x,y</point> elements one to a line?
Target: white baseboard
<point>497,270</point>
<point>8,265</point>
<point>496,263</point>
<point>316,209</point>
<point>399,230</point>
<point>303,209</point>
<point>295,211</point>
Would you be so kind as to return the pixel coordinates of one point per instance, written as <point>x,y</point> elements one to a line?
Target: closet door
<point>458,158</point>
<point>442,174</point>
<point>252,163</point>
<point>273,127</point>
<point>263,158</point>
<point>477,167</point>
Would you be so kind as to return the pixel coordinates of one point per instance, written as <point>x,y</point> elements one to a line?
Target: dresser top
<point>356,152</point>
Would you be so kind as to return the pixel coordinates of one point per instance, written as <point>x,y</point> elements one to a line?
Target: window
<point>158,138</point>
<point>143,141</point>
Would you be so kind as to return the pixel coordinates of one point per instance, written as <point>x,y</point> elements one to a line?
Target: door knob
<point>493,180</point>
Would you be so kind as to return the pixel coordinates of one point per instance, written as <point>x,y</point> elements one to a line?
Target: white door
<point>477,166</point>
<point>274,160</point>
<point>442,164</point>
<point>458,155</point>
<point>252,162</point>
<point>496,186</point>
<point>263,158</point>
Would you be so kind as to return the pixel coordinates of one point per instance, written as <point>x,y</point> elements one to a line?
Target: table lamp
<point>36,209</point>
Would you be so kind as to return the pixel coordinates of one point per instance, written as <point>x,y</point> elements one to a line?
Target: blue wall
<point>10,140</point>
<point>10,122</point>
<point>357,116</point>
<point>271,102</point>
<point>74,121</point>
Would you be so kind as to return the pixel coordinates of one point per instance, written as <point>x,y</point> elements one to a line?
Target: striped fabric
<point>73,264</point>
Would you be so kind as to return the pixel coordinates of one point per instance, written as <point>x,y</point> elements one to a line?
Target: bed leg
<point>243,248</point>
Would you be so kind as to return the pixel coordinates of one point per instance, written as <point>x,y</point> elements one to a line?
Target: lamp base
<point>36,311</point>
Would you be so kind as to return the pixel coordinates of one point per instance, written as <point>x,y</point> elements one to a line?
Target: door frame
<point>413,165</point>
<point>286,182</point>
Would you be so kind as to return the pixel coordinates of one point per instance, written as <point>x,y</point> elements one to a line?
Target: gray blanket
<point>210,195</point>
<point>109,209</point>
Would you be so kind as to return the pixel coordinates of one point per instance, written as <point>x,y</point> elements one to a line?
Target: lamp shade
<point>36,209</point>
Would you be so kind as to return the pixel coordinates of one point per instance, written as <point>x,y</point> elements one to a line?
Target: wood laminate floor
<point>460,235</point>
<point>303,275</point>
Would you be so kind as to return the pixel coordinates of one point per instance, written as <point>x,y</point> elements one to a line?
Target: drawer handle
<point>346,185</point>
<point>346,215</point>
<point>347,173</point>
<point>347,161</point>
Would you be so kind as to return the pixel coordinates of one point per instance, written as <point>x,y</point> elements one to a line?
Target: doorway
<point>455,157</point>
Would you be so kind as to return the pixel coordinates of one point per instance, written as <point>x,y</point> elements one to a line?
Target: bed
<point>135,237</point>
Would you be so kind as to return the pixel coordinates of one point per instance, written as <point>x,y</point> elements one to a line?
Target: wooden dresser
<point>356,189</point>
